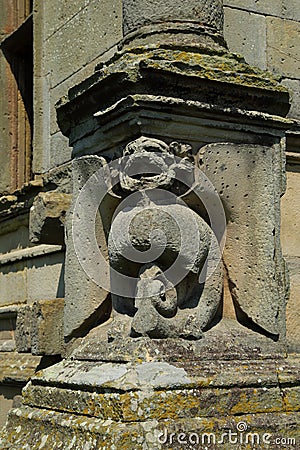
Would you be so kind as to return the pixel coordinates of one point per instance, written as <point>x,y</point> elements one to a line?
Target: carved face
<point>148,164</point>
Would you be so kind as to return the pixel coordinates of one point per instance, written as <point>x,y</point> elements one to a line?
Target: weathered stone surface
<point>15,235</point>
<point>272,8</point>
<point>84,301</point>
<point>47,217</point>
<point>16,367</point>
<point>290,218</point>
<point>200,402</point>
<point>13,284</point>
<point>290,9</point>
<point>242,175</point>
<point>287,9</point>
<point>228,340</point>
<point>21,271</point>
<point>245,33</point>
<point>92,434</point>
<point>47,327</point>
<point>51,271</point>
<point>39,327</point>
<point>56,17</point>
<point>283,53</point>
<point>85,38</point>
<point>294,89</point>
<point>23,329</point>
<point>292,310</point>
<point>140,12</point>
<point>163,404</point>
<point>15,371</point>
<point>194,72</point>
<point>60,152</point>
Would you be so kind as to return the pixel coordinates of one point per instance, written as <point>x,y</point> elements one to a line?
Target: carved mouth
<point>144,175</point>
<point>141,167</point>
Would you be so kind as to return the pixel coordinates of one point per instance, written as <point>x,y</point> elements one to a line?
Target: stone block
<point>15,239</point>
<point>294,89</point>
<point>249,180</point>
<point>56,93</point>
<point>245,33</point>
<point>47,327</point>
<point>31,274</point>
<point>41,126</point>
<point>290,9</point>
<point>45,277</point>
<point>85,300</point>
<point>273,8</point>
<point>60,152</point>
<point>283,50</point>
<point>47,216</point>
<point>23,329</point>
<point>85,36</point>
<point>56,14</point>
<point>13,283</point>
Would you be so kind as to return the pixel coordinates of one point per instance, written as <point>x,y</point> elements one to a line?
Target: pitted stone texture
<point>245,33</point>
<point>249,180</point>
<point>283,52</point>
<point>142,12</point>
<point>84,300</point>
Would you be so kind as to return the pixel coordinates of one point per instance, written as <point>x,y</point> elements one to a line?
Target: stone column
<point>186,21</point>
<point>137,13</point>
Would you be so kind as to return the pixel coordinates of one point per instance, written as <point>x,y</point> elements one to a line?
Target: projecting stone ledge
<point>153,405</point>
<point>212,76</point>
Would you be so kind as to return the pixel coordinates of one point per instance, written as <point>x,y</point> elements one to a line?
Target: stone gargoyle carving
<point>159,238</point>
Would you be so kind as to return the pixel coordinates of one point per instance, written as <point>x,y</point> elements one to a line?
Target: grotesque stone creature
<point>166,249</point>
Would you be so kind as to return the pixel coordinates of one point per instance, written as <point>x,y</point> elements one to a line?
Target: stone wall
<point>267,34</point>
<point>71,39</point>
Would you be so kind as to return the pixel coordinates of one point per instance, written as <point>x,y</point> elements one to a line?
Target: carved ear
<point>181,150</point>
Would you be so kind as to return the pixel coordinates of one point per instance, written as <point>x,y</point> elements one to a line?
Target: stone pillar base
<point>155,405</point>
